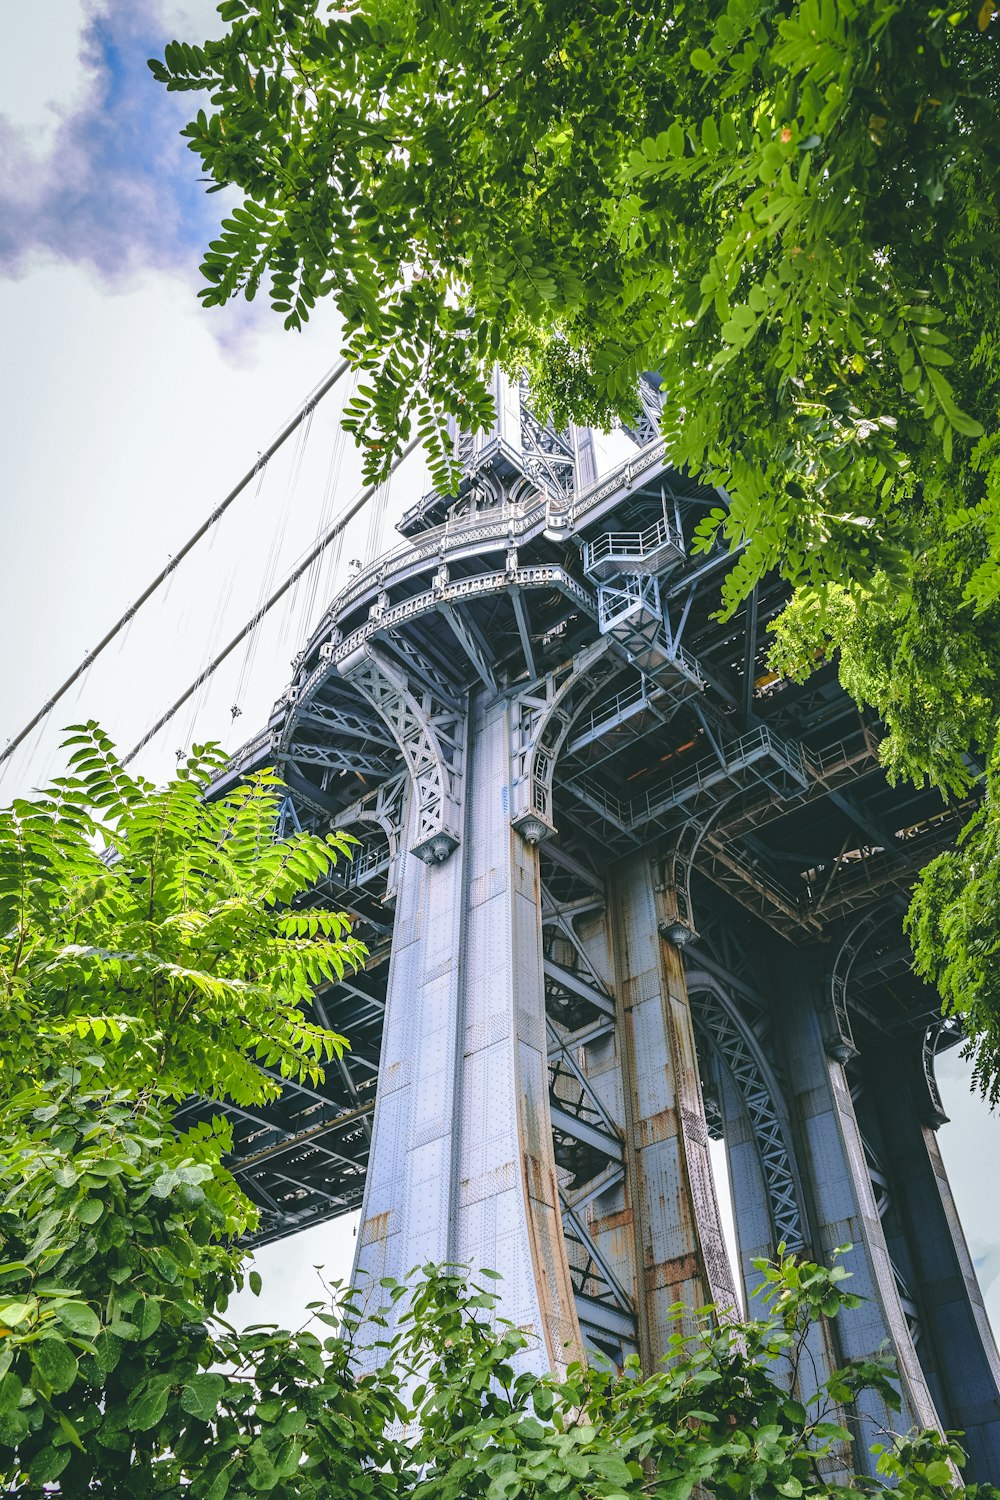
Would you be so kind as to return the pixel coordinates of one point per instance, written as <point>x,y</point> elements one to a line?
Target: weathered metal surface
<point>462,1153</point>
<point>680,1253</point>
<point>834,1163</point>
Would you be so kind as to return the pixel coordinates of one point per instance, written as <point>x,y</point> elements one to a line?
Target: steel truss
<point>580,1012</point>
<point>725,1035</point>
<point>640,726</point>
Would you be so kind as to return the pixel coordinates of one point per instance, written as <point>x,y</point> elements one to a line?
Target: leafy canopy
<point>153,945</point>
<point>119,1375</point>
<point>789,212</point>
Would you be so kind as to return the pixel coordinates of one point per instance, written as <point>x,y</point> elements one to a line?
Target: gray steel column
<point>832,1162</point>
<point>462,1165</point>
<point>754,1234</point>
<point>680,1252</point>
<point>506,1210</point>
<point>957,1347</point>
<point>408,1188</point>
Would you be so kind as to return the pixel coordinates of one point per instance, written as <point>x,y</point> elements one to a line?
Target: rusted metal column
<point>680,1252</point>
<point>957,1348</point>
<point>506,1212</point>
<point>462,1167</point>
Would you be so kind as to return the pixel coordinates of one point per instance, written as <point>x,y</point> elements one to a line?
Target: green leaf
<point>219,1484</point>
<point>965,424</point>
<point>149,1315</point>
<point>47,1464</point>
<point>13,1428</point>
<point>200,1396</point>
<point>610,1466</point>
<point>79,1318</point>
<point>263,1474</point>
<point>702,60</point>
<point>107,1351</point>
<point>55,1363</point>
<point>147,1406</point>
<point>13,1313</point>
<point>69,1432</point>
<point>10,1394</point>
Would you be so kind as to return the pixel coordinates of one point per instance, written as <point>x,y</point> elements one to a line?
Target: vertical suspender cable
<point>303,567</point>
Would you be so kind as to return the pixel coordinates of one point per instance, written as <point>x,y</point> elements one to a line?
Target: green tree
<point>152,946</point>
<point>788,211</point>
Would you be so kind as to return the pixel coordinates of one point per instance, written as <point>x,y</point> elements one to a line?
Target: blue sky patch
<point>119,191</point>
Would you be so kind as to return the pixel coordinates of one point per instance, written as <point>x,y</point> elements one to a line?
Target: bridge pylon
<point>624,892</point>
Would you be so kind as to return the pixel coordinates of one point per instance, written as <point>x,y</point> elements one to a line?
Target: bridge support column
<point>957,1348</point>
<point>407,1201</point>
<point>832,1162</point>
<point>680,1252</point>
<point>462,1165</point>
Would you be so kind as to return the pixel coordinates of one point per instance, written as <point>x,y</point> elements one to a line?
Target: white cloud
<point>43,75</point>
<point>190,20</point>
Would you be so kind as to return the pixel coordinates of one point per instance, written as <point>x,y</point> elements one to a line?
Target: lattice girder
<point>429,730</point>
<point>725,1032</point>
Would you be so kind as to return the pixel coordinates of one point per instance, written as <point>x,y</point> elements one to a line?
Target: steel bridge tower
<point>623,892</point>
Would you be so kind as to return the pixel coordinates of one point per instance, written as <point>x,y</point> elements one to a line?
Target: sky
<point>128,412</point>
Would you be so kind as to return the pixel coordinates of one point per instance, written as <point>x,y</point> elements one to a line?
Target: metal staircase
<point>625,567</point>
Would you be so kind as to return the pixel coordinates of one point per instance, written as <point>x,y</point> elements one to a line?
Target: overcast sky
<point>129,411</point>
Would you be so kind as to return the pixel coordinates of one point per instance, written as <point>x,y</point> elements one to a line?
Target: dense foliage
<point>151,948</point>
<point>160,930</point>
<point>789,211</point>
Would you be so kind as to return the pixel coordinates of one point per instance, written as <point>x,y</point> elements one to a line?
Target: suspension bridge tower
<point>624,892</point>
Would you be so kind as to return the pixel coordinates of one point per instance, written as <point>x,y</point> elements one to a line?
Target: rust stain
<point>375,1228</point>
<point>669,1272</point>
<point>555,1292</point>
<point>536,1177</point>
<point>654,1128</point>
<point>621,1219</point>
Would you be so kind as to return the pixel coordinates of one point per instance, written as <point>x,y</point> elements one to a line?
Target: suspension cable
<point>292,578</point>
<point>305,410</point>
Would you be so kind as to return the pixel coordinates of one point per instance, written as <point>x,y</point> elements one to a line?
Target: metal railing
<point>491,524</point>
<point>631,546</point>
<point>705,774</point>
